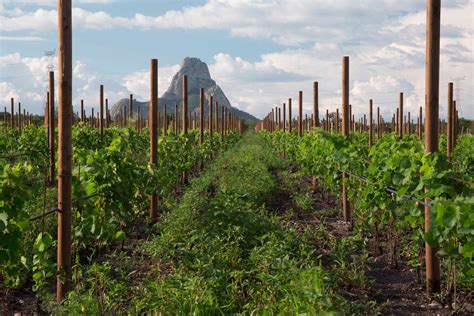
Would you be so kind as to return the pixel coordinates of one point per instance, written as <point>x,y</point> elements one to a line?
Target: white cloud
<point>384,38</point>
<point>21,38</point>
<point>227,67</point>
<point>26,79</point>
<point>139,81</point>
<point>51,3</point>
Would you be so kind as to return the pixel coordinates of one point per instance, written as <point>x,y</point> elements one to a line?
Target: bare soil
<point>396,291</point>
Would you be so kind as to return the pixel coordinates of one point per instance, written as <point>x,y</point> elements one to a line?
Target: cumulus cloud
<point>384,38</point>
<point>26,80</point>
<point>21,38</point>
<point>235,68</point>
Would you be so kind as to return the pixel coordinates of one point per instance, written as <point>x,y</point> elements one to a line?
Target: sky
<point>260,52</point>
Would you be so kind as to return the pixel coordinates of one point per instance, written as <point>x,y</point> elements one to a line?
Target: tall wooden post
<point>184,109</point>
<point>101,113</point>
<point>92,118</point>
<point>201,116</point>
<point>315,104</point>
<point>346,211</point>
<point>216,117</point>
<point>165,119</point>
<point>107,117</point>
<point>130,110</point>
<point>210,116</point>
<point>289,116</point>
<point>433,13</point>
<point>184,113</point>
<point>284,117</point>
<point>18,117</point>
<point>12,113</point>
<point>400,115</point>
<point>420,123</point>
<point>222,123</point>
<point>300,113</point>
<point>408,124</point>
<point>279,119</point>
<point>51,121</point>
<point>336,121</point>
<point>327,120</point>
<point>82,110</point>
<point>65,146</point>
<point>450,128</point>
<point>371,130</point>
<point>350,117</point>
<point>378,123</point>
<point>153,129</point>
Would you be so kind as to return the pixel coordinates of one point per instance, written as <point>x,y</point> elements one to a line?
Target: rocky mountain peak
<point>198,77</point>
<point>194,67</point>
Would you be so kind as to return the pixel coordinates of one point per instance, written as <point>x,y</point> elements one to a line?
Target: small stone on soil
<point>435,305</point>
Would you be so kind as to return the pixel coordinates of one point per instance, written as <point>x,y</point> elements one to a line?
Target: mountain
<point>198,77</point>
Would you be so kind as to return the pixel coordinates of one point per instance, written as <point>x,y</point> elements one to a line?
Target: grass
<point>217,252</point>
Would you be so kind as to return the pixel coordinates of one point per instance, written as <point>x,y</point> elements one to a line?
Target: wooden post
<point>371,130</point>
<point>327,120</point>
<point>130,110</point>
<point>433,13</point>
<point>284,117</point>
<point>378,123</point>
<point>184,109</point>
<point>408,124</point>
<point>18,117</point>
<point>222,123</point>
<point>289,116</point>
<point>101,113</point>
<point>400,115</point>
<point>12,115</point>
<point>420,123</point>
<point>279,119</point>
<point>300,113</point>
<point>346,211</point>
<point>450,128</point>
<point>153,130</point>
<point>216,118</point>
<point>65,146</point>
<point>51,126</point>
<point>165,119</point>
<point>315,104</point>
<point>82,110</point>
<point>210,116</point>
<point>107,116</point>
<point>201,116</point>
<point>336,121</point>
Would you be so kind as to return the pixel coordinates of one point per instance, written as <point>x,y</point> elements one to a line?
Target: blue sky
<point>259,52</point>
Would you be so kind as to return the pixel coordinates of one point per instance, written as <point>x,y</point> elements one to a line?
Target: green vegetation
<point>393,221</point>
<point>219,251</point>
<point>115,177</point>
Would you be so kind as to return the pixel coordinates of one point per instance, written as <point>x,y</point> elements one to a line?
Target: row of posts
<point>19,119</point>
<point>277,120</point>
<point>228,122</point>
<point>400,125</point>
